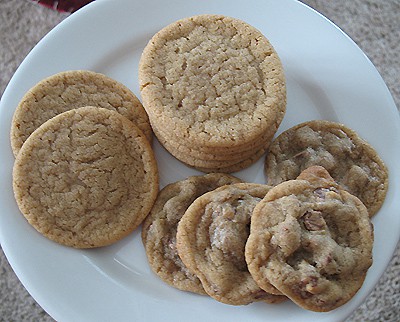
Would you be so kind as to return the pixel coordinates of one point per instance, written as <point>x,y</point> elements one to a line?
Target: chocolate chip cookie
<point>312,240</point>
<point>211,240</point>
<point>350,160</point>
<point>160,226</point>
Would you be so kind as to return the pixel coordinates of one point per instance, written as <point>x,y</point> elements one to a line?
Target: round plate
<point>328,77</point>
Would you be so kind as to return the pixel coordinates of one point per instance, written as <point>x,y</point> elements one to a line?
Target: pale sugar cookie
<point>86,178</point>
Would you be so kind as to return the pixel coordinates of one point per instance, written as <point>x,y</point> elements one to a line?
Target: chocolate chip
<point>313,221</point>
<point>320,192</point>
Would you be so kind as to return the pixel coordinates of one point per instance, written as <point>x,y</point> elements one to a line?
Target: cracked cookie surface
<point>211,238</point>
<point>212,80</point>
<point>160,226</point>
<point>73,89</point>
<point>86,178</point>
<point>312,240</point>
<point>351,161</point>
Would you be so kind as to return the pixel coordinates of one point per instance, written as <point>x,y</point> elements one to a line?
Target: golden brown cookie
<point>159,228</point>
<point>86,178</point>
<point>312,240</point>
<point>214,153</point>
<point>217,161</point>
<point>214,84</point>
<point>211,239</point>
<point>72,89</point>
<point>351,161</point>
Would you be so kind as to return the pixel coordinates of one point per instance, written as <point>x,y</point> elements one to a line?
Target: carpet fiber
<point>374,25</point>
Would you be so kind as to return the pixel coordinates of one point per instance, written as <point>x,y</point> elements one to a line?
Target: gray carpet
<point>374,25</point>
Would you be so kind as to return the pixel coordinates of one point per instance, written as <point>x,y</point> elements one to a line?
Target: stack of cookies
<point>85,174</point>
<point>214,90</point>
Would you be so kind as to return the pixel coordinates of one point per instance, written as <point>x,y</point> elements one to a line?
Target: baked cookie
<point>225,155</point>
<point>72,89</point>
<point>211,238</point>
<point>86,178</point>
<point>159,228</point>
<point>351,161</point>
<point>220,166</point>
<point>214,84</point>
<point>236,166</point>
<point>225,152</point>
<point>214,158</point>
<point>312,240</point>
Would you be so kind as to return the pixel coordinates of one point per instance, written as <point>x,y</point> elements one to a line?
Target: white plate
<point>328,77</point>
